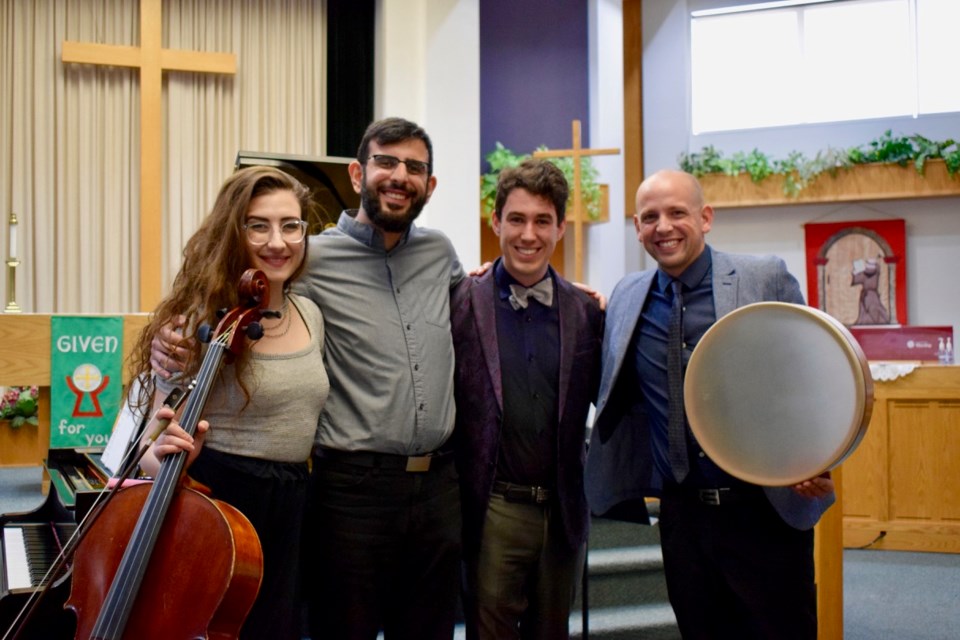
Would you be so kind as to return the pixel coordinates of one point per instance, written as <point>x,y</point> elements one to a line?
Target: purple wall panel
<point>533,73</point>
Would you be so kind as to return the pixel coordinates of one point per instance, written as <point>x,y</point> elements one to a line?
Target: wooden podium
<point>900,486</point>
<point>25,360</point>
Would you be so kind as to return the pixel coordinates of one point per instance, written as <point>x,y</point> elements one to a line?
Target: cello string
<point>130,573</point>
<point>172,464</point>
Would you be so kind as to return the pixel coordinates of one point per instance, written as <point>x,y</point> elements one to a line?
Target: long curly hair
<point>214,259</point>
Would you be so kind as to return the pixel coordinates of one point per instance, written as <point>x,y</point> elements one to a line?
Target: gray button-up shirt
<point>388,350</point>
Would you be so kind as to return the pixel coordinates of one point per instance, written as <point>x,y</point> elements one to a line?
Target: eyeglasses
<point>389,163</point>
<point>260,231</point>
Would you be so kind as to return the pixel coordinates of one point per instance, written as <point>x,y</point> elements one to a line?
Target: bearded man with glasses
<point>383,532</point>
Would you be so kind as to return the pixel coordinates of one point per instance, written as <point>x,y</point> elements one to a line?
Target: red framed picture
<point>856,271</point>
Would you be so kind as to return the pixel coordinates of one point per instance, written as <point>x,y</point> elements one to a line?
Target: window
<point>822,61</point>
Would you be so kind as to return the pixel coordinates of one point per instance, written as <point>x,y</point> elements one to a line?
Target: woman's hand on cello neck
<point>172,440</point>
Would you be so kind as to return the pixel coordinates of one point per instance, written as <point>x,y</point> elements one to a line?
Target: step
<point>647,621</point>
<point>650,622</point>
<point>606,534</point>
<point>624,560</point>
<point>627,588</point>
<point>624,577</point>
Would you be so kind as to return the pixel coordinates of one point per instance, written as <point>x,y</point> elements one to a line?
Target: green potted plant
<point>799,171</point>
<point>501,158</point>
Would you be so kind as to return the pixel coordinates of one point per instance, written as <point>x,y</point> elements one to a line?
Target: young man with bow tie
<point>527,346</point>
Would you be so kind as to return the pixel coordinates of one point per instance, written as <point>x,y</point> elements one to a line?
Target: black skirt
<point>272,495</point>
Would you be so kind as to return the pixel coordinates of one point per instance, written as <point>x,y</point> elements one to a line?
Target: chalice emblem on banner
<point>87,380</point>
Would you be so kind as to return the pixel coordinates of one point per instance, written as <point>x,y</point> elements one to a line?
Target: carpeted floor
<point>901,595</point>
<point>887,594</point>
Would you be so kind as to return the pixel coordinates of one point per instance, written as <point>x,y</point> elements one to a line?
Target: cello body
<point>195,585</point>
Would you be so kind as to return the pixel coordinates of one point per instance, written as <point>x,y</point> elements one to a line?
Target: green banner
<point>86,360</point>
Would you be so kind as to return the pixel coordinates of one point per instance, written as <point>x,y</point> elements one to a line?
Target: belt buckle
<point>418,464</point>
<point>710,496</point>
<point>539,494</point>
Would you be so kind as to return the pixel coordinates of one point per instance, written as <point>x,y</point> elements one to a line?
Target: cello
<point>164,560</point>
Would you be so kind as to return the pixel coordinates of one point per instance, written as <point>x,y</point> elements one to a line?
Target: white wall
<point>933,226</point>
<point>427,69</point>
<point>605,260</point>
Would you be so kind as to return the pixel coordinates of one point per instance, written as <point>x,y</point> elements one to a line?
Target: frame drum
<point>777,393</point>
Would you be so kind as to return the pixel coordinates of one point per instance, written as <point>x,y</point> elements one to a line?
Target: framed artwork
<point>856,271</point>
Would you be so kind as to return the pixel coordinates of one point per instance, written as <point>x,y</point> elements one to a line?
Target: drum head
<point>777,393</point>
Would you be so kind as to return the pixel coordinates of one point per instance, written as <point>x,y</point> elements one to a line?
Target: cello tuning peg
<point>254,330</point>
<point>221,313</point>
<point>204,333</point>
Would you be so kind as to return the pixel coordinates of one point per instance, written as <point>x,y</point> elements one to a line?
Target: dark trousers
<point>737,570</point>
<point>384,551</point>
<point>523,580</point>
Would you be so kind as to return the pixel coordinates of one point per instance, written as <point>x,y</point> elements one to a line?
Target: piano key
<point>15,553</point>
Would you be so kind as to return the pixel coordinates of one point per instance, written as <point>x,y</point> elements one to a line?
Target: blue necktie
<point>676,422</point>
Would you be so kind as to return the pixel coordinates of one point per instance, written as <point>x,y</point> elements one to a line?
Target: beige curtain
<point>70,137</point>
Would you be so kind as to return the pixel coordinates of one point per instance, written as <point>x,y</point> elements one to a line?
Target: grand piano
<point>31,541</point>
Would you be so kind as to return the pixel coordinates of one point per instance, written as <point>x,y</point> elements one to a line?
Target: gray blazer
<point>620,472</point>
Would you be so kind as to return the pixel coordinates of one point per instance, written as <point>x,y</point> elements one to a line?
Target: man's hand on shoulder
<point>169,350</point>
<point>479,271</point>
<point>593,293</point>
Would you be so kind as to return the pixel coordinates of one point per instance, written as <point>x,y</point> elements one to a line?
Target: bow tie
<point>542,292</point>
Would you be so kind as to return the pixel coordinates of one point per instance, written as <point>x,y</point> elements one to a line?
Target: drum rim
<point>863,403</point>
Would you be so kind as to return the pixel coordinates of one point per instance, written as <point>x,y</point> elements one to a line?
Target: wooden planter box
<point>858,183</point>
<point>26,446</point>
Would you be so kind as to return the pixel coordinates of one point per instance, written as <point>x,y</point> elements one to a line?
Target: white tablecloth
<point>891,370</point>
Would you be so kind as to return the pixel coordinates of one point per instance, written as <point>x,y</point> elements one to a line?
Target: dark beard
<point>386,221</point>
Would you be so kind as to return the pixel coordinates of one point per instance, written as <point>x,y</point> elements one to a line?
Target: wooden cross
<point>152,60</point>
<point>578,214</point>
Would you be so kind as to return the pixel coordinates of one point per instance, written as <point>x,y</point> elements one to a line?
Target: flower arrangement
<point>19,405</point>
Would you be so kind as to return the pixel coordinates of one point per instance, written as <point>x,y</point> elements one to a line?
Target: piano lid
<point>326,177</point>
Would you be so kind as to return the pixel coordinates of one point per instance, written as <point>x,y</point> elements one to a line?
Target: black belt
<point>412,464</point>
<point>521,493</point>
<point>719,496</point>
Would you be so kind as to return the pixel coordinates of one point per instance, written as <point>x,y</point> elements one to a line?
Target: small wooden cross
<point>577,212</point>
<point>152,60</point>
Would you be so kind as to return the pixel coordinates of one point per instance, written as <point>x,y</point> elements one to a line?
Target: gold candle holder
<point>12,263</point>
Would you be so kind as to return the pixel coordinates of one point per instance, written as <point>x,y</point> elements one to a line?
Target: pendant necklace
<point>285,321</point>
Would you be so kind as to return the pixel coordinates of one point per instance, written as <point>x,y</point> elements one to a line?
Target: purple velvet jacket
<point>480,399</point>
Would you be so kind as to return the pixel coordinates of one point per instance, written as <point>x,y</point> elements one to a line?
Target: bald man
<point>738,557</point>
